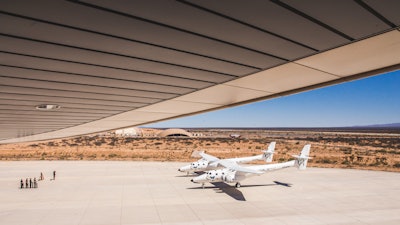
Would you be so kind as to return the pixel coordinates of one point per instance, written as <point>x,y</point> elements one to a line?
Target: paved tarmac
<point>96,193</point>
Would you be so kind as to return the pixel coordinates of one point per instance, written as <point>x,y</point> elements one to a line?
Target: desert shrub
<point>325,161</point>
<point>112,155</point>
<point>98,143</point>
<point>347,150</point>
<point>346,162</point>
<point>382,151</point>
<point>396,165</point>
<point>127,140</point>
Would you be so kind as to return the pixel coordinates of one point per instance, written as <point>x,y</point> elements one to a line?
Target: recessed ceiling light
<point>47,107</point>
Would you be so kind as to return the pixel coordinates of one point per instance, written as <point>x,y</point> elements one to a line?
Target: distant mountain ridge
<point>389,125</point>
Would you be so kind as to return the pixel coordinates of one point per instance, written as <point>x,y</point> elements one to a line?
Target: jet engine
<point>229,176</point>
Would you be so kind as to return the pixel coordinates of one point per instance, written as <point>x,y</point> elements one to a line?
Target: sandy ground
<point>371,151</point>
<point>127,193</point>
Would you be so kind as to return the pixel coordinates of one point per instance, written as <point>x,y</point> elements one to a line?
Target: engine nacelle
<point>229,176</point>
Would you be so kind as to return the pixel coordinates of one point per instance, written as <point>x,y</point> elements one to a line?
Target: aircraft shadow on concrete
<point>235,193</point>
<point>191,175</point>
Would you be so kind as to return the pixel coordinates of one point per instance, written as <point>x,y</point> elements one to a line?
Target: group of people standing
<point>29,183</point>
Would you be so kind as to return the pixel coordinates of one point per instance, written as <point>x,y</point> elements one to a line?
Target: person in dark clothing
<point>41,176</point>
<point>26,183</point>
<point>54,175</point>
<point>22,183</point>
<point>30,183</point>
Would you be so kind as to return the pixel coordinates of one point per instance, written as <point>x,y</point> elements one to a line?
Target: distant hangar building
<point>151,132</point>
<point>174,133</point>
<point>129,132</point>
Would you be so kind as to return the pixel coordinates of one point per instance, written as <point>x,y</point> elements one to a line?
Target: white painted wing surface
<point>234,166</point>
<point>208,157</point>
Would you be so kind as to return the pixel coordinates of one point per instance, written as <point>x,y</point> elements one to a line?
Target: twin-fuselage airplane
<point>234,173</point>
<point>208,162</point>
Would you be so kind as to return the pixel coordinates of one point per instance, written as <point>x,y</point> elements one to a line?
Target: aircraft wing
<point>208,157</point>
<point>70,68</point>
<point>234,166</point>
<point>247,170</point>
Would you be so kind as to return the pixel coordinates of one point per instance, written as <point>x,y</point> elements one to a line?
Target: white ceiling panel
<point>283,78</point>
<point>179,107</point>
<point>370,54</point>
<point>135,116</point>
<point>222,95</point>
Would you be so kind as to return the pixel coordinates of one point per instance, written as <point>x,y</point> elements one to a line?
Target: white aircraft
<point>233,173</point>
<point>208,162</point>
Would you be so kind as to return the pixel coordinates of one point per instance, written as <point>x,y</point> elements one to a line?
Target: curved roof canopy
<point>76,67</point>
<point>174,132</point>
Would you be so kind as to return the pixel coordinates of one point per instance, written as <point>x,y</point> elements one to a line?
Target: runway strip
<point>96,193</point>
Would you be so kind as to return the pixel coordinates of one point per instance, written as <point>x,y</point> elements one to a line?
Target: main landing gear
<point>202,185</point>
<point>237,185</point>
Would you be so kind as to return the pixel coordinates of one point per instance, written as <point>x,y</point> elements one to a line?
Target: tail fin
<point>269,153</point>
<point>302,159</point>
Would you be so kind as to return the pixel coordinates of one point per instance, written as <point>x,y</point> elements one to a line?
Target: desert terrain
<point>360,149</point>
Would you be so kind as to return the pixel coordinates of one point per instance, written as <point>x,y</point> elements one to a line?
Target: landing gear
<point>202,185</point>
<point>187,173</point>
<point>237,185</point>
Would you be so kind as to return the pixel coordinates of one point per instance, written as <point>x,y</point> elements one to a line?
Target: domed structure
<point>174,133</point>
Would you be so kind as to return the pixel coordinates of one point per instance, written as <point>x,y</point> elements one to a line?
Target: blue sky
<point>373,100</point>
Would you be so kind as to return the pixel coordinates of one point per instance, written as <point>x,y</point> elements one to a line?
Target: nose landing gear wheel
<point>237,185</point>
